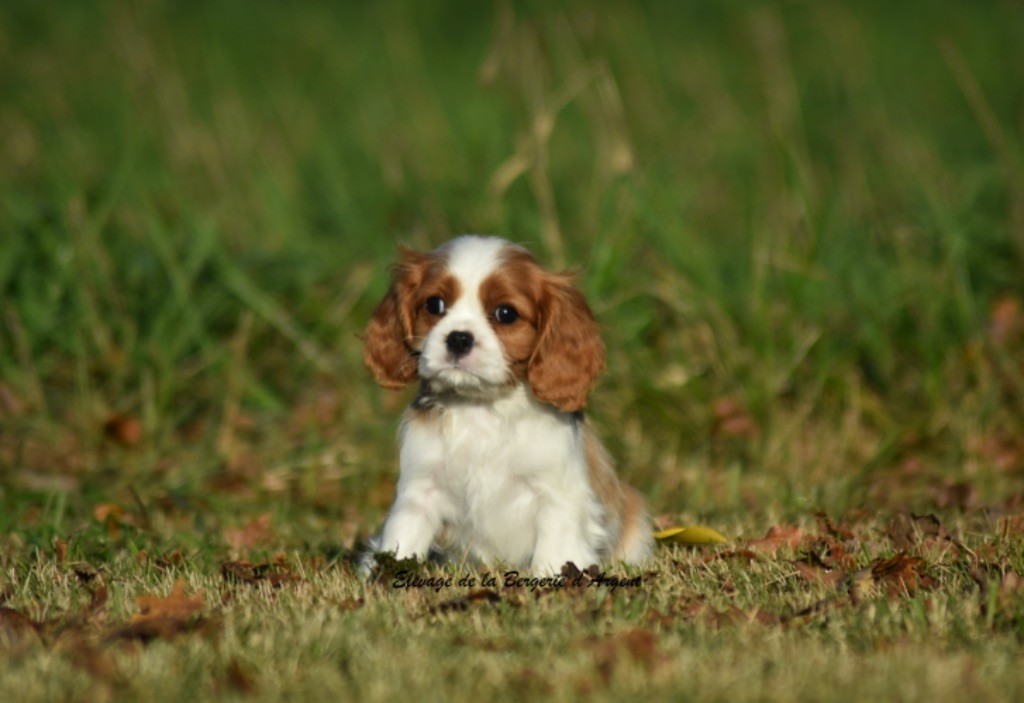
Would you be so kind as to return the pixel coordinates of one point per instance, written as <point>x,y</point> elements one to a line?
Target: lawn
<point>801,226</point>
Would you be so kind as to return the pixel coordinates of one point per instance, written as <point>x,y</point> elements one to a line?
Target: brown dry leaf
<point>747,555</point>
<point>169,560</point>
<point>907,530</point>
<point>831,554</point>
<point>576,581</point>
<point>1012,525</point>
<point>777,537</point>
<point>123,429</point>
<point>638,644</point>
<point>114,517</point>
<point>274,574</point>
<point>901,574</point>
<point>959,495</point>
<point>255,533</point>
<point>239,679</point>
<point>95,661</point>
<point>97,603</point>
<point>1001,449</point>
<point>106,511</point>
<point>731,420</point>
<point>235,484</point>
<point>163,617</point>
<point>826,526</point>
<point>175,605</point>
<point>462,603</point>
<point>13,622</point>
<point>730,616</point>
<point>149,629</point>
<point>60,550</point>
<point>1006,320</point>
<point>811,569</point>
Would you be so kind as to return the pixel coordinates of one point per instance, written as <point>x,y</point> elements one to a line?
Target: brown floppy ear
<point>388,350</point>
<point>569,354</point>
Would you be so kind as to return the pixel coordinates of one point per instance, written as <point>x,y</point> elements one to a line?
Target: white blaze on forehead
<point>473,258</point>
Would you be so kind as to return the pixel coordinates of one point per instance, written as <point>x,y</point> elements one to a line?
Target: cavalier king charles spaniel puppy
<point>497,462</point>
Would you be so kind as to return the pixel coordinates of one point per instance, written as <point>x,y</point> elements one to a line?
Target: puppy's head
<point>479,315</point>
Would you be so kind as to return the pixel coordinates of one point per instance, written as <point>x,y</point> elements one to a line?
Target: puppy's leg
<point>561,537</point>
<point>420,507</point>
<point>412,524</point>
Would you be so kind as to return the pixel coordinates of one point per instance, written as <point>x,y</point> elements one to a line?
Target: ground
<point>801,227</point>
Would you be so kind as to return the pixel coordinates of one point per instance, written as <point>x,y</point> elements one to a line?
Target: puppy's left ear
<point>569,355</point>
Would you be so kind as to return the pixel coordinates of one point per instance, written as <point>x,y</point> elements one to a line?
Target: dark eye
<point>505,314</point>
<point>435,305</point>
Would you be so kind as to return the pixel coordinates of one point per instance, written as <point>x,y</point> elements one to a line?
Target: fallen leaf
<point>731,420</point>
<point>149,629</point>
<point>907,530</point>
<point>255,533</point>
<point>576,581</point>
<point>60,549</point>
<point>239,679</point>
<point>461,603</point>
<point>1011,525</point>
<point>811,569</point>
<point>97,602</point>
<point>113,516</point>
<point>169,560</point>
<point>776,538</point>
<point>11,621</point>
<point>244,571</point>
<point>732,615</point>
<point>1001,449</point>
<point>163,617</point>
<point>692,534</point>
<point>95,661</point>
<point>175,605</point>
<point>901,574</point>
<point>827,527</point>
<point>638,645</point>
<point>123,429</point>
<point>1006,320</point>
<point>747,555</point>
<point>959,495</point>
<point>105,511</point>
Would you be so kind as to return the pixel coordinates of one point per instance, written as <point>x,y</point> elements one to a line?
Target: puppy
<point>497,462</point>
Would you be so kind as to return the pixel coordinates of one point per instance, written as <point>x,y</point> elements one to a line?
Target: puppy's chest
<point>481,445</point>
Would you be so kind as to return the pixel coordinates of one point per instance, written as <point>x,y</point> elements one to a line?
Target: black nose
<point>459,343</point>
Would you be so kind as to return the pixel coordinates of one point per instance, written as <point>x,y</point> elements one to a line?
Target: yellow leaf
<point>693,534</point>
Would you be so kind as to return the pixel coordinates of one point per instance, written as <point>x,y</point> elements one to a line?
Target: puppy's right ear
<point>388,350</point>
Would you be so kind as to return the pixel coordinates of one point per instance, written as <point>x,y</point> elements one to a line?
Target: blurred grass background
<point>800,224</point>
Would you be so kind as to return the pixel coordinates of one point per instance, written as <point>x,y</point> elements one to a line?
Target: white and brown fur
<point>497,462</point>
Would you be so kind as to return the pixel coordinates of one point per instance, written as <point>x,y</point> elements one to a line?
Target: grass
<point>801,226</point>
